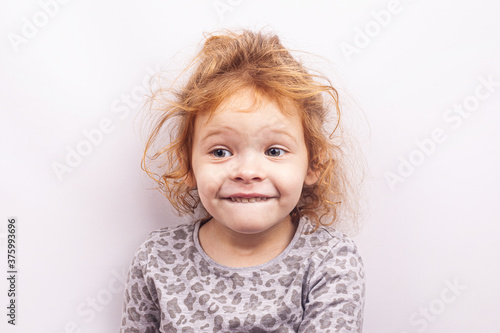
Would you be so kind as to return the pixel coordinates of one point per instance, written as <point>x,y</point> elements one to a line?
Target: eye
<point>221,153</point>
<point>275,152</point>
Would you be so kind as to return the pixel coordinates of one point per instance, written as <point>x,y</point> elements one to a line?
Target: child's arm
<point>140,309</point>
<point>335,299</point>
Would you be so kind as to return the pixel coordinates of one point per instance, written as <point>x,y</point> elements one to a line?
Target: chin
<point>250,226</point>
<point>245,228</point>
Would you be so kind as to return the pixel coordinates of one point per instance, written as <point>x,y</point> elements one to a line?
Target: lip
<point>248,197</point>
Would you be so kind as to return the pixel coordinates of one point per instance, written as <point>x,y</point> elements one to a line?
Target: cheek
<point>290,184</point>
<point>208,181</point>
<point>296,192</point>
<point>290,180</point>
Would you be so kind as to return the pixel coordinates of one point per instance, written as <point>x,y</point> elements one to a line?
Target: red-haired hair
<point>228,63</point>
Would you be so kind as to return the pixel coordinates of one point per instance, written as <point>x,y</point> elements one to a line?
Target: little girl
<point>249,149</point>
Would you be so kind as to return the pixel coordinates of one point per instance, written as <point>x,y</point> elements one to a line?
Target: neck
<point>233,249</point>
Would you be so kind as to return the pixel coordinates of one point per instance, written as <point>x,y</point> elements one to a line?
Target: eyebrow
<point>285,133</point>
<point>217,131</point>
<point>221,130</point>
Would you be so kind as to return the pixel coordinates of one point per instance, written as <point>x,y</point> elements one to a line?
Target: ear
<point>311,177</point>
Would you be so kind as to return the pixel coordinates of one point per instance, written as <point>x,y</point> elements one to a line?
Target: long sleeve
<point>141,313</point>
<point>335,298</point>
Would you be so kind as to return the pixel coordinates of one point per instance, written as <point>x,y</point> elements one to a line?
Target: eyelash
<point>267,152</point>
<point>220,150</point>
<point>282,151</point>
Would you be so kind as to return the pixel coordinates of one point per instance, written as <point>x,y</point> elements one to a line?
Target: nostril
<point>247,179</point>
<point>247,169</point>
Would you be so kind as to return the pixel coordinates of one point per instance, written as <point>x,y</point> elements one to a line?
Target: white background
<point>436,226</point>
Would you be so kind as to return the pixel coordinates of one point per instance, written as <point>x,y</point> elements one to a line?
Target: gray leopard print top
<point>315,285</point>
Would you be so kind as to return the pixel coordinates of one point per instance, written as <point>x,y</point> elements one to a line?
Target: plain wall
<point>424,74</point>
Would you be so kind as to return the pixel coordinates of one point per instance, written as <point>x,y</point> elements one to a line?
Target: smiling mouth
<point>248,200</point>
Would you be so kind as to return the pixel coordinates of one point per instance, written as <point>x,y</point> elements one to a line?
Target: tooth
<point>251,200</point>
<point>257,199</point>
<point>244,200</point>
<point>232,199</point>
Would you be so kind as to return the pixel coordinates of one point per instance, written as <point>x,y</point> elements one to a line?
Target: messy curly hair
<point>228,62</point>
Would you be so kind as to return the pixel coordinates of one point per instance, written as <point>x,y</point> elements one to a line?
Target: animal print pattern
<point>315,285</point>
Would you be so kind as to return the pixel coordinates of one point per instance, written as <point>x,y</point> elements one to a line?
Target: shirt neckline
<point>271,262</point>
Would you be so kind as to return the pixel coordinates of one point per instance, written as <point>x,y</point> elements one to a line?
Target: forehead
<point>249,105</point>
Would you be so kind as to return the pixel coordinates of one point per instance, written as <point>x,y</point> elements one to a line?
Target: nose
<point>248,168</point>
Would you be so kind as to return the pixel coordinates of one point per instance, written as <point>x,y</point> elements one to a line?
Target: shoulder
<point>164,241</point>
<point>179,232</point>
<point>331,253</point>
<point>327,242</point>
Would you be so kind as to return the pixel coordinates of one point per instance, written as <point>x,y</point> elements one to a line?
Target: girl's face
<point>249,167</point>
